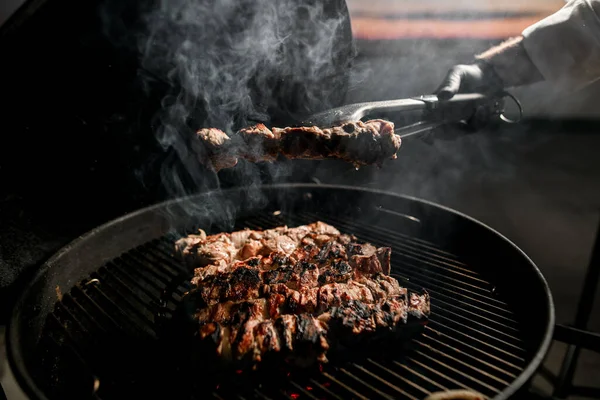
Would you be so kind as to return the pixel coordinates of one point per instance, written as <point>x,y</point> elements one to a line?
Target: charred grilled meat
<point>360,143</point>
<point>293,292</point>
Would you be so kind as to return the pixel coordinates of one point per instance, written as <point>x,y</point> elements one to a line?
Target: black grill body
<point>91,323</point>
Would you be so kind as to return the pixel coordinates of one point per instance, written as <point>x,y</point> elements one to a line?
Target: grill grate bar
<point>67,336</point>
<point>448,309</point>
<point>365,384</point>
<point>417,272</point>
<point>346,387</point>
<point>123,270</point>
<point>475,349</point>
<point>416,277</point>
<point>484,292</point>
<point>143,258</point>
<point>324,389</point>
<point>469,337</point>
<point>144,325</point>
<point>475,359</point>
<point>438,373</point>
<point>70,343</point>
<point>153,256</point>
<point>434,319</point>
<point>136,264</point>
<point>456,298</point>
<point>125,300</point>
<point>458,372</point>
<point>83,309</point>
<point>303,391</point>
<point>71,315</point>
<point>430,250</point>
<point>394,387</point>
<point>466,365</point>
<point>159,256</point>
<point>160,249</point>
<point>447,268</point>
<point>111,273</point>
<point>411,371</point>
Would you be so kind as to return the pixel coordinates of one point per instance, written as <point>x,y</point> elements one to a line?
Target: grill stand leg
<point>564,384</point>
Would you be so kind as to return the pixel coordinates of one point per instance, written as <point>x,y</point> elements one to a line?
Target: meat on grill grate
<point>361,143</point>
<point>293,291</point>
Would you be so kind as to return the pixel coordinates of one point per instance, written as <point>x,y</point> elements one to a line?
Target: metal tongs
<point>474,110</point>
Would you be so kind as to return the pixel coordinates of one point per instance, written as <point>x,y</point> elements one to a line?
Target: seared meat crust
<point>361,143</point>
<point>293,292</point>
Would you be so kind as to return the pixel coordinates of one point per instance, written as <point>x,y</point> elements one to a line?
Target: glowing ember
<point>309,388</point>
<point>239,371</point>
<point>294,395</point>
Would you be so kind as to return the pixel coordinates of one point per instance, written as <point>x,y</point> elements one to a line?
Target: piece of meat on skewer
<point>360,143</point>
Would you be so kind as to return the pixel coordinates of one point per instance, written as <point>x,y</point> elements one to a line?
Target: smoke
<point>231,63</point>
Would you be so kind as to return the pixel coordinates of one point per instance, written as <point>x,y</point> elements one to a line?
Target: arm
<point>563,48</point>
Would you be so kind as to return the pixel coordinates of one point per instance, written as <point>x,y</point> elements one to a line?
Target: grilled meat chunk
<point>317,244</point>
<point>223,249</point>
<point>296,292</point>
<point>361,143</point>
<point>301,338</point>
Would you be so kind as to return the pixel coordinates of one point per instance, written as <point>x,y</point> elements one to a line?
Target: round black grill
<point>102,337</point>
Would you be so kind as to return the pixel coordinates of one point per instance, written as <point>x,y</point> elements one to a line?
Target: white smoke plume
<point>231,63</point>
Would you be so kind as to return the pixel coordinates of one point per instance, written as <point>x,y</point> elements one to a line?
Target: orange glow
<point>294,395</point>
<point>382,29</point>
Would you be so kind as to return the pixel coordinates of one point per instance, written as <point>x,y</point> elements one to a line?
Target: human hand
<point>478,77</point>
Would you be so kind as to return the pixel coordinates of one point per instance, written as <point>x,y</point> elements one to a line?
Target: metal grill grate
<point>471,342</point>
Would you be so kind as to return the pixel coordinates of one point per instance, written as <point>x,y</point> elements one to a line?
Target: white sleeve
<point>565,47</point>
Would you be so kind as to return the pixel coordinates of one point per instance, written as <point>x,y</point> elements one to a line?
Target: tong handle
<point>459,107</point>
<point>463,107</point>
<point>472,111</point>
